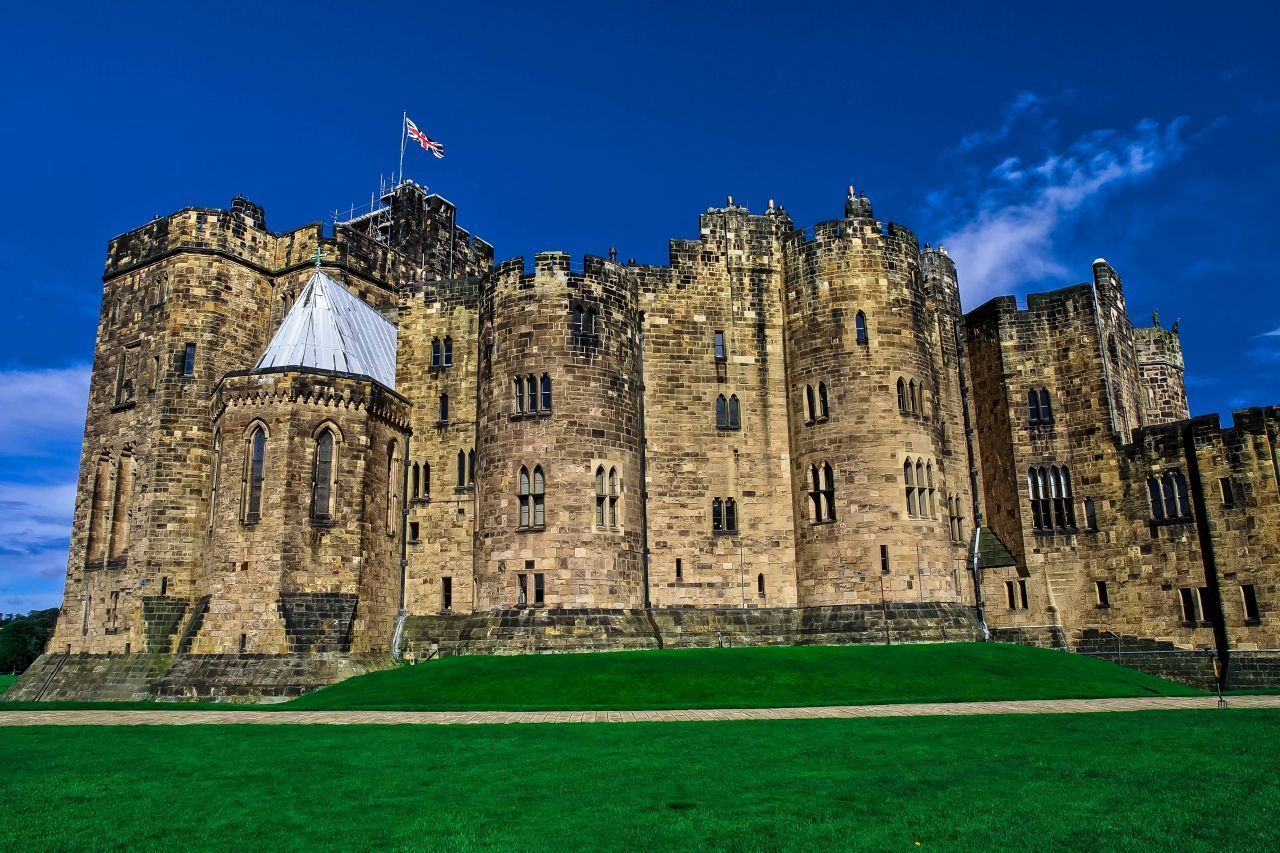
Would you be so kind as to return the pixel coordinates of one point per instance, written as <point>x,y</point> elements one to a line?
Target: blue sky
<point>1027,138</point>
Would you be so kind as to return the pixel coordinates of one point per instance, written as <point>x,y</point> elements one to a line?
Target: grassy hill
<point>6,681</point>
<point>793,676</point>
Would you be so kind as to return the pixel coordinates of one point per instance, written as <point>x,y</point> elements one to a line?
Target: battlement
<point>556,264</point>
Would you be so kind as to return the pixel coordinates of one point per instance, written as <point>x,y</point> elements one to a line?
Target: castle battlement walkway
<point>450,718</point>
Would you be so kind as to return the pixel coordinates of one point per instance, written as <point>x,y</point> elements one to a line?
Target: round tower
<point>558,478</point>
<point>869,402</point>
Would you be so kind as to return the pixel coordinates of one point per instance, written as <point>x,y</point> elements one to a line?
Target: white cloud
<point>46,409</point>
<point>1003,231</point>
<point>1271,334</point>
<point>35,526</point>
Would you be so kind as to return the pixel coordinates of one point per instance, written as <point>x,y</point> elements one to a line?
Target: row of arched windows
<point>109,510</point>
<point>816,409</point>
<point>1052,504</point>
<point>1169,496</point>
<point>607,498</point>
<point>442,352</point>
<point>532,395</point>
<point>921,491</point>
<point>910,397</point>
<point>532,498</point>
<point>1038,409</point>
<point>822,493</point>
<point>728,415</point>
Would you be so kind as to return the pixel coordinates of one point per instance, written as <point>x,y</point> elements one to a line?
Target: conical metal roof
<point>329,328</point>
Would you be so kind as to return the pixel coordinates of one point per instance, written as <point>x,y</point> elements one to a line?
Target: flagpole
<point>404,124</point>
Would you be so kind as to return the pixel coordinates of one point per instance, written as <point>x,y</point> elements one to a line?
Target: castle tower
<point>870,402</point>
<point>557,476</point>
<point>1161,372</point>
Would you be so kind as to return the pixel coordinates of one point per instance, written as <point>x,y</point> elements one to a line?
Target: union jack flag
<point>422,139</point>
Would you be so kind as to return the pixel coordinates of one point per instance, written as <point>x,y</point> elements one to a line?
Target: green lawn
<point>6,681</point>
<point>741,678</point>
<point>1140,781</point>
<point>719,678</point>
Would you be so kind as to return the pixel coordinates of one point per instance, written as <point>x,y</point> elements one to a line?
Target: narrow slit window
<point>734,413</point>
<point>1228,492</point>
<point>1100,587</point>
<point>444,408</point>
<point>824,410</point>
<point>322,489</point>
<point>446,593</point>
<point>519,396</point>
<point>189,360</point>
<point>546,393</point>
<point>539,589</point>
<point>1249,596</point>
<point>720,353</point>
<point>257,465</point>
<point>448,352</point>
<point>860,328</point>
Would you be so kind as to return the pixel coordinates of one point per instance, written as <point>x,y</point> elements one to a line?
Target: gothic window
<point>519,395</point>
<point>524,497</point>
<point>815,494</point>
<point>717,515</point>
<point>909,478</point>
<point>917,405</point>
<point>1180,483</point>
<point>539,497</point>
<point>444,408</point>
<point>215,473</point>
<point>829,491</point>
<point>613,498</point>
<point>724,515</point>
<point>546,393</point>
<point>448,352</point>
<point>809,408</point>
<point>531,386</point>
<point>722,412</point>
<point>1033,407</point>
<point>735,421</point>
<point>1039,519</point>
<point>911,396</point>
<point>462,469</point>
<point>393,487</point>
<point>322,477</point>
<point>1157,499</point>
<point>1170,495</point>
<point>601,497</point>
<point>860,328</point>
<point>824,410</point>
<point>902,396</point>
<point>415,485</point>
<point>720,352</point>
<point>426,480</point>
<point>119,545</point>
<point>255,464</point>
<point>1064,510</point>
<point>1046,413</point>
<point>933,492</point>
<point>435,352</point>
<point>1052,504</point>
<point>471,467</point>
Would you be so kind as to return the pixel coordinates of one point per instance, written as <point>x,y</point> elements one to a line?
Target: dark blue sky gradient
<point>590,125</point>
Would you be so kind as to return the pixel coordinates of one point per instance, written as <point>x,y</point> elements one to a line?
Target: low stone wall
<point>210,678</point>
<point>535,630</point>
<point>1044,637</point>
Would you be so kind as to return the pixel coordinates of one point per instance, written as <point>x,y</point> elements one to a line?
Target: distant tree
<point>22,639</point>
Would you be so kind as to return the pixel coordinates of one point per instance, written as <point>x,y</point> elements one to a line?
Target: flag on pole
<point>422,139</point>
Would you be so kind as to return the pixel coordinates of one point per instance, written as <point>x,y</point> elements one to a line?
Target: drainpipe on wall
<point>1207,556</point>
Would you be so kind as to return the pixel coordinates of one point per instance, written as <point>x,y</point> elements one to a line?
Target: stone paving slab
<point>450,718</point>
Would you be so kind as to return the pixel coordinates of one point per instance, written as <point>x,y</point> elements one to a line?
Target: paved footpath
<point>448,718</point>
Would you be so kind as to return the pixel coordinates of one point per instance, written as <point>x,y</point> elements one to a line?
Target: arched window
<point>815,493</point>
<point>531,384</point>
<point>760,585</point>
<point>1068,500</point>
<point>730,515</point>
<point>613,498</point>
<point>1033,407</point>
<point>717,514</point>
<point>735,419</point>
<point>435,352</point>
<point>902,395</point>
<point>99,510</point>
<point>1046,413</point>
<point>809,408</point>
<point>255,466</point>
<point>119,545</point>
<point>829,491</point>
<point>933,492</point>
<point>1180,483</point>
<point>860,328</point>
<point>214,474</point>
<point>1055,492</point>
<point>1046,498</point>
<point>415,486</point>
<point>909,477</point>
<point>824,411</point>
<point>601,496</point>
<point>524,496</point>
<point>1090,514</point>
<point>322,477</point>
<point>462,469</point>
<point>1170,496</point>
<point>393,487</point>
<point>426,481</point>
<point>448,351</point>
<point>722,412</point>
<point>471,467</point>
<point>1033,495</point>
<point>918,405</point>
<point>546,393</point>
<point>911,396</point>
<point>519,396</point>
<point>539,496</point>
<point>1157,499</point>
<point>444,407</point>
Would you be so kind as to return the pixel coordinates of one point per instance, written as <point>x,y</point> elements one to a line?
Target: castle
<point>305,454</point>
